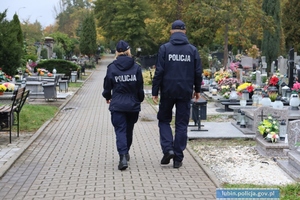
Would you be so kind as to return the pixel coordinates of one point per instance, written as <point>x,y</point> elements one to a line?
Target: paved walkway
<point>74,157</point>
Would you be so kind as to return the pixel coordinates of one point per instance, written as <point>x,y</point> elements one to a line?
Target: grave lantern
<point>294,102</point>
<point>238,117</point>
<point>233,95</point>
<point>242,121</point>
<point>214,91</point>
<point>245,95</point>
<point>288,94</point>
<point>282,130</point>
<point>284,90</point>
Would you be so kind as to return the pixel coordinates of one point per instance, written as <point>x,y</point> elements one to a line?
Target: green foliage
<point>88,45</point>
<point>124,19</point>
<point>271,39</point>
<point>30,57</point>
<point>58,51</point>
<point>33,35</point>
<point>32,117</point>
<point>204,53</point>
<point>147,76</point>
<point>10,46</point>
<point>61,66</point>
<point>291,24</point>
<point>64,45</point>
<point>44,54</point>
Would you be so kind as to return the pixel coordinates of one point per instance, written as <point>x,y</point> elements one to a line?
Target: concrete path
<point>74,157</point>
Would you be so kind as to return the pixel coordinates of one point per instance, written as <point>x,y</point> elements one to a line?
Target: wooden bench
<point>10,114</point>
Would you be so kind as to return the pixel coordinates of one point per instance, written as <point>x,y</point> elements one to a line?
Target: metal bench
<point>10,114</point>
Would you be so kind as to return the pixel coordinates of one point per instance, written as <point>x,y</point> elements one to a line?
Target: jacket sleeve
<point>198,72</point>
<point>159,71</point>
<point>107,86</point>
<point>141,94</point>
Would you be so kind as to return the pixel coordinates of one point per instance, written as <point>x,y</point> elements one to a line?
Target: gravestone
<point>258,78</point>
<point>273,68</point>
<point>264,147</point>
<point>247,61</point>
<point>283,68</point>
<point>292,165</point>
<point>264,65</point>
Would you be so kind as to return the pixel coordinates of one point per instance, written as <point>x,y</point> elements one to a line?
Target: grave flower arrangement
<point>41,72</point>
<point>269,128</point>
<point>234,65</point>
<point>10,87</point>
<point>4,76</point>
<point>219,75</point>
<point>2,88</point>
<point>245,86</point>
<point>296,87</point>
<point>225,86</point>
<point>207,73</point>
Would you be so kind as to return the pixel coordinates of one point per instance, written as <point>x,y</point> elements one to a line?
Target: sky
<point>40,10</point>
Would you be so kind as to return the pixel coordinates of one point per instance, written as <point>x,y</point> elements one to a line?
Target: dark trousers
<point>182,116</point>
<point>123,123</point>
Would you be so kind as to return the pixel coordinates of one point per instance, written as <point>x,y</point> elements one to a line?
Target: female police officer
<point>124,91</point>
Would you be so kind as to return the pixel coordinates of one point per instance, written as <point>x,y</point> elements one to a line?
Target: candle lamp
<point>282,130</point>
<point>294,102</point>
<point>242,121</point>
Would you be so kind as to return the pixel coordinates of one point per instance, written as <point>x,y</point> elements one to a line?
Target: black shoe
<point>167,157</point>
<point>177,164</point>
<point>127,157</point>
<point>123,163</point>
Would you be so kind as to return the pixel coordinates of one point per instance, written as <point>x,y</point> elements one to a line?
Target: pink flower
<point>296,87</point>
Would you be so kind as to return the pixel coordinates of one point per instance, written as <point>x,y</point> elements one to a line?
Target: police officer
<point>178,72</point>
<point>124,91</point>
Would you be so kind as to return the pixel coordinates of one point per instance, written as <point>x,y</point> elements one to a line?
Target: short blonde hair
<point>126,53</point>
<point>177,30</point>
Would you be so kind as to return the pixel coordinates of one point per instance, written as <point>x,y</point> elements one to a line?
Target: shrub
<point>147,76</point>
<point>61,66</point>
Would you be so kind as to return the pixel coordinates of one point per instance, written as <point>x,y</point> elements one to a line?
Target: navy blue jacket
<point>124,85</point>
<point>178,69</point>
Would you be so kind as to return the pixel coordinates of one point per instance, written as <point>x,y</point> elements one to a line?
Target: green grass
<point>32,117</point>
<point>75,85</point>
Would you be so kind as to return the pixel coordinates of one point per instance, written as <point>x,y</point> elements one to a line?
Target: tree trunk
<point>225,60</point>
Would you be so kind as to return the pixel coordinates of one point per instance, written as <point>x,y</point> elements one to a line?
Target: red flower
<point>274,80</point>
<point>250,88</point>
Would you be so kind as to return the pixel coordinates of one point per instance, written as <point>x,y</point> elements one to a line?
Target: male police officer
<point>178,72</point>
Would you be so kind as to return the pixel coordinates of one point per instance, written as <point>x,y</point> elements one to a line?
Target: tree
<point>291,24</point>
<point>124,19</point>
<point>62,40</point>
<point>88,35</point>
<point>225,22</point>
<point>10,44</point>
<point>33,37</point>
<point>271,39</point>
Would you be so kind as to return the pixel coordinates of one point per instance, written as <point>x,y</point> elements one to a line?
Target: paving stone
<point>74,157</point>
